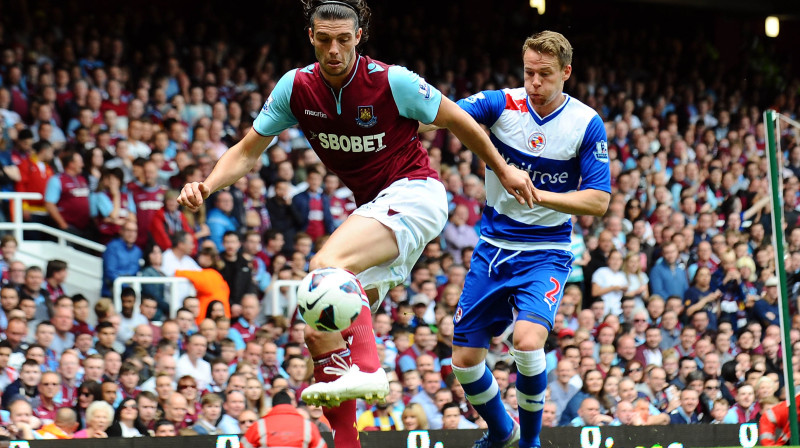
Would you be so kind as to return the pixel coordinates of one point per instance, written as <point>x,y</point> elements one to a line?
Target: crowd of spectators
<point>670,315</point>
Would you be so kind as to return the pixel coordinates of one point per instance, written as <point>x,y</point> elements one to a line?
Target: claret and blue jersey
<point>366,132</point>
<point>563,152</point>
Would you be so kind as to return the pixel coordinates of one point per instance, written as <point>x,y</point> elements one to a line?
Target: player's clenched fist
<point>193,195</point>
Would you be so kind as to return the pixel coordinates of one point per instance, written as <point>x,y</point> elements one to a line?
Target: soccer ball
<point>329,299</point>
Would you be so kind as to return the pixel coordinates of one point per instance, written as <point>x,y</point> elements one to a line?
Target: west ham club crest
<point>366,117</point>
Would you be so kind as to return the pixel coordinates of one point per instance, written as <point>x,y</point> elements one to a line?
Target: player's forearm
<point>584,202</point>
<point>237,161</point>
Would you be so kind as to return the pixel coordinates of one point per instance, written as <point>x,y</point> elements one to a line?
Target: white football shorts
<point>416,211</point>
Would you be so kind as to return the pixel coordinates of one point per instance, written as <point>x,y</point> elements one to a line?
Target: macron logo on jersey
<point>352,143</point>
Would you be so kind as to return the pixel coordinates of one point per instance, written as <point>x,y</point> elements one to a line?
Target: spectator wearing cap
<point>765,310</point>
<point>421,306</point>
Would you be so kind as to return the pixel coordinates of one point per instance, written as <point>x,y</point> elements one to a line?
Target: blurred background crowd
<point>671,312</point>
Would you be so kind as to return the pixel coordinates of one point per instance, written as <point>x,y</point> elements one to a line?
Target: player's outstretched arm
<point>516,182</point>
<point>235,163</point>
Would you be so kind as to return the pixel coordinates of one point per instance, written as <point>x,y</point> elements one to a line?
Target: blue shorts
<point>502,281</point>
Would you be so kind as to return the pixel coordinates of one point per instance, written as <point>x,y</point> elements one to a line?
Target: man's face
<point>252,244</point>
<point>16,332</point>
<point>770,347</point>
<point>431,382</point>
<point>270,354</point>
<point>335,44</point>
<point>501,376</point>
<point>148,308</point>
<point>450,418</point>
<point>106,336</point>
<point>93,369</point>
<point>657,380</point>
<point>219,373</point>
<point>50,386</point>
<point>166,431</point>
<point>231,244</point>
<point>31,375</point>
<point>170,332</point>
<point>128,303</point>
<point>711,365</point>
<point>29,308</point>
<point>689,401</point>
<point>21,412</point>
<point>33,280</point>
<point>197,347</point>
<point>45,335</point>
<point>234,405</point>
<point>129,380</point>
<point>236,383</point>
<point>143,336</point>
<point>653,338</point>
<point>544,77</point>
<point>176,408</point>
<point>253,353</point>
<point>425,363</point>
<point>68,366</point>
<point>442,398</point>
<point>297,370</point>
<point>9,299</point>
<point>250,308</point>
<point>163,387</point>
<point>589,411</point>
<point>109,393</point>
<point>150,174</point>
<point>687,367</point>
<point>147,409</point>
<point>5,353</point>
<point>565,371</point>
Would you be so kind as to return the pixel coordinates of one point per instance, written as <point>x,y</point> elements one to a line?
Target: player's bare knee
<point>467,356</point>
<point>529,336</point>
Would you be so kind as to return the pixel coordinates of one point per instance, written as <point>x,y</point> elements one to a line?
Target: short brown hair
<point>552,43</point>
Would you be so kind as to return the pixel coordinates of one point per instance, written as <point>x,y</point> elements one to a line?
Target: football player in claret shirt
<point>361,117</point>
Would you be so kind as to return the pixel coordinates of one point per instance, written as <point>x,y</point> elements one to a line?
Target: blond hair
<point>552,43</point>
<point>416,410</point>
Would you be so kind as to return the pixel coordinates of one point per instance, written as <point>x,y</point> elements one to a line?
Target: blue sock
<point>531,385</point>
<point>484,394</point>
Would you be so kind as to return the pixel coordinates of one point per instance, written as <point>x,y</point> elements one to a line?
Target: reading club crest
<point>459,314</point>
<point>366,117</point>
<point>536,143</point>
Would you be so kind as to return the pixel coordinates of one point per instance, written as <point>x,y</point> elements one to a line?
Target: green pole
<point>777,235</point>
